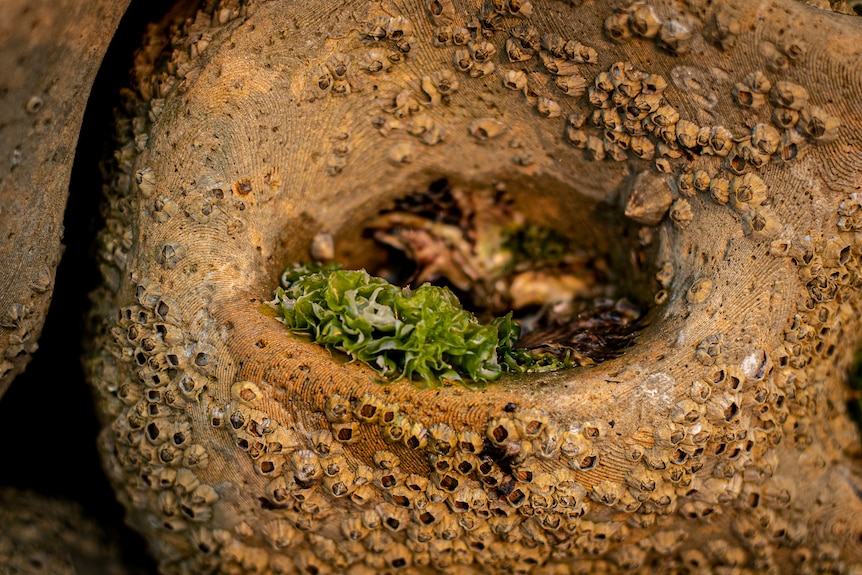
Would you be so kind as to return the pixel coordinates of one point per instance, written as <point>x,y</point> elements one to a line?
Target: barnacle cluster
<point>237,448</point>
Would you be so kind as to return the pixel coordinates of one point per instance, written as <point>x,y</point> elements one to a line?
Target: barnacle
<point>260,133</point>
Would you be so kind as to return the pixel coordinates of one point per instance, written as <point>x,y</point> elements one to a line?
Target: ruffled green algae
<point>421,334</point>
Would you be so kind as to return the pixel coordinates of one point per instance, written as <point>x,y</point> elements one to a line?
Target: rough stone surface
<point>49,55</point>
<point>719,443</point>
<point>42,535</point>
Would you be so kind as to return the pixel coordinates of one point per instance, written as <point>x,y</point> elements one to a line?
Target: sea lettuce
<point>421,334</point>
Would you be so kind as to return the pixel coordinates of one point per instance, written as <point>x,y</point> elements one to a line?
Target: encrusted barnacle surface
<point>240,448</point>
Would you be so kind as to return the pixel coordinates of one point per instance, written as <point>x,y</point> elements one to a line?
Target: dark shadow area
<point>854,379</point>
<point>47,416</point>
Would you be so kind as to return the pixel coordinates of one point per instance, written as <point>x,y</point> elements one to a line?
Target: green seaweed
<point>421,334</point>
<point>533,243</point>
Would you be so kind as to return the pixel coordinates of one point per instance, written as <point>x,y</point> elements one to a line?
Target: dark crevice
<point>854,379</point>
<point>53,388</point>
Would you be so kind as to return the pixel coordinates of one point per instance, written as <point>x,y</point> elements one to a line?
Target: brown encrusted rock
<point>43,535</point>
<point>718,443</point>
<point>49,54</point>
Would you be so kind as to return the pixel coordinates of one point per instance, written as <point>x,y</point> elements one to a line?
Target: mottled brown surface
<point>50,52</point>
<point>42,535</point>
<point>719,443</point>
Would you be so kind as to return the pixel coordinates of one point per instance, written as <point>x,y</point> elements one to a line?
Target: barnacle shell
<point>788,95</point>
<point>818,124</point>
<point>649,200</point>
<point>644,22</point>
